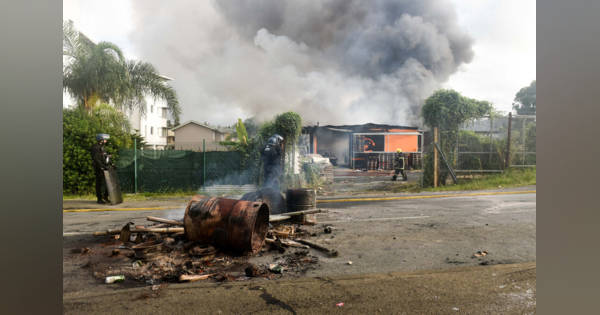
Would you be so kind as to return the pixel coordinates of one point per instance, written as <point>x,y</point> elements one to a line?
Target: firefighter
<point>100,161</point>
<point>272,161</point>
<point>399,165</point>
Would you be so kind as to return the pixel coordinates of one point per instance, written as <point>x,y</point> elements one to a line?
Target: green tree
<point>447,110</point>
<point>524,102</point>
<point>80,127</point>
<point>96,73</point>
<point>289,125</point>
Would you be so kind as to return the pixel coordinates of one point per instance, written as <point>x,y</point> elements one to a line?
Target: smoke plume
<point>332,61</point>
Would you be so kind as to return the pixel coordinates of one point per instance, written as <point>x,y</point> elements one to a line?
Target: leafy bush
<point>447,110</point>
<point>79,134</point>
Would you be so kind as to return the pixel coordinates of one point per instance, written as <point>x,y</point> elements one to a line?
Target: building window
<point>164,112</point>
<point>151,130</point>
<point>163,132</point>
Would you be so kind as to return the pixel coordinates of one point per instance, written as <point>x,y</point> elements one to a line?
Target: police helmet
<point>102,136</point>
<point>275,139</point>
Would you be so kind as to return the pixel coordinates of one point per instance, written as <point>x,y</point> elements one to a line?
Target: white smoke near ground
<point>332,61</point>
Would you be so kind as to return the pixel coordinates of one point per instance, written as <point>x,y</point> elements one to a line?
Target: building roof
<point>196,123</point>
<point>369,127</point>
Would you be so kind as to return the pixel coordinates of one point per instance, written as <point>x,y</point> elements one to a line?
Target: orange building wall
<point>408,143</point>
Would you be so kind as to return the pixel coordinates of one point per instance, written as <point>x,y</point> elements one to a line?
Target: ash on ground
<point>152,258</point>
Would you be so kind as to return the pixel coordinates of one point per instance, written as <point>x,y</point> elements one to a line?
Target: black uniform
<point>271,156</point>
<point>399,167</point>
<point>99,161</point>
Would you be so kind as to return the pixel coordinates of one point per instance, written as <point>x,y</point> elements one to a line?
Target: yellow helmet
<point>398,150</point>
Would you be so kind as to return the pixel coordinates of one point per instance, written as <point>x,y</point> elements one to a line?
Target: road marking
<point>330,200</point>
<point>77,233</point>
<point>375,219</point>
<point>427,196</point>
<point>121,209</point>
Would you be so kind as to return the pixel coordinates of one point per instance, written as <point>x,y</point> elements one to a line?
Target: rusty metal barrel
<point>235,225</point>
<point>301,199</point>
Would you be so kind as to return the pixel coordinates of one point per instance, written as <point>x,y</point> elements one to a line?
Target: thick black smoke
<point>333,61</point>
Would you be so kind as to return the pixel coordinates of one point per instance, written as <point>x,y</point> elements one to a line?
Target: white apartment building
<point>152,125</point>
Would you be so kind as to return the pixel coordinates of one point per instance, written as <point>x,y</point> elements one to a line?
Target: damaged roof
<point>369,127</point>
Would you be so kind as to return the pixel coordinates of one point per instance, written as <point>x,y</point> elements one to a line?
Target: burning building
<point>368,146</point>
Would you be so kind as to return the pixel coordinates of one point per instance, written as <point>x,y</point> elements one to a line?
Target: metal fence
<point>172,170</point>
<point>491,144</point>
<point>522,141</point>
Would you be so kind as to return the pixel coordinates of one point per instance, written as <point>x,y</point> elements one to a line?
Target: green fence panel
<point>171,170</point>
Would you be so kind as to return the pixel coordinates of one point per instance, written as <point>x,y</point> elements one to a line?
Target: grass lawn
<point>513,177</point>
<point>139,196</point>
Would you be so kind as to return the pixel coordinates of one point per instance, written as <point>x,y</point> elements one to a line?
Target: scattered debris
<point>113,279</point>
<point>82,251</point>
<point>192,278</point>
<point>167,221</point>
<point>254,271</point>
<point>480,253</point>
<point>291,243</point>
<point>151,230</point>
<point>455,309</point>
<point>328,229</point>
<point>216,241</point>
<point>283,231</point>
<point>349,262</point>
<point>330,252</point>
<point>340,304</point>
<point>276,268</point>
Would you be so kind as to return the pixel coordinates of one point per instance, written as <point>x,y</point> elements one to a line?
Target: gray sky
<point>504,47</point>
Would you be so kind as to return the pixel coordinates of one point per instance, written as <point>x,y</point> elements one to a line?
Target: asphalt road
<point>413,235</point>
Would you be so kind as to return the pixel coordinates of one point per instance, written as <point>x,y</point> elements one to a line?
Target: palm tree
<point>99,72</point>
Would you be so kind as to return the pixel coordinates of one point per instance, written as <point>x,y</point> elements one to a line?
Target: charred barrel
<point>301,199</point>
<point>236,225</point>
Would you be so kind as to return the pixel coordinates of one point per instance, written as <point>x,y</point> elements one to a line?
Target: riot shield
<point>112,185</point>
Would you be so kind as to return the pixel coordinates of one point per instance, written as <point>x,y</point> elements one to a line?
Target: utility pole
<point>135,165</point>
<point>435,157</point>
<point>507,161</point>
<point>203,162</point>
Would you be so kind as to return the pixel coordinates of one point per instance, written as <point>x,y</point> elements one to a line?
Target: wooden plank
<point>279,217</point>
<point>161,220</point>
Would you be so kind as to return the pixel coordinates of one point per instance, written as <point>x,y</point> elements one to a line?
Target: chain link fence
<point>481,145</point>
<point>486,145</point>
<point>173,170</point>
<point>523,141</point>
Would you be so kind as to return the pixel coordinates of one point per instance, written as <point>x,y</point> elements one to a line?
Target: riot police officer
<point>100,162</point>
<point>272,161</point>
